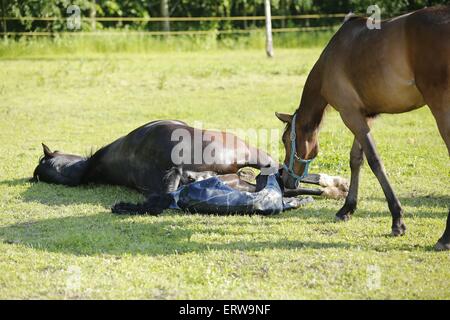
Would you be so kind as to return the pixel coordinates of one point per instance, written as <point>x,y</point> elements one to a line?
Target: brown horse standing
<point>362,73</point>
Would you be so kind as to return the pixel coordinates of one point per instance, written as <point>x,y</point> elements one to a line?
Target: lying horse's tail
<point>155,204</point>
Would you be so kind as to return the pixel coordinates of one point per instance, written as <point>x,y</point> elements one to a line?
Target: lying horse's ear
<point>284,117</point>
<point>47,151</point>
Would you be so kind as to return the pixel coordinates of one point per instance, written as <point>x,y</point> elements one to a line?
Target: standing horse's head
<point>301,148</point>
<point>59,168</point>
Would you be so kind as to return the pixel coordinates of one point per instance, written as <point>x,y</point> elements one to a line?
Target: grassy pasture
<point>59,242</point>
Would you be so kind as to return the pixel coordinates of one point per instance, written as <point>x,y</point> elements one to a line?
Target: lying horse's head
<point>301,147</point>
<point>59,168</point>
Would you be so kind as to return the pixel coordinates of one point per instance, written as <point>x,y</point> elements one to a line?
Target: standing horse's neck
<point>312,105</point>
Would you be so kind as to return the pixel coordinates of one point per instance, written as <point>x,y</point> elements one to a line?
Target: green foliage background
<point>188,8</point>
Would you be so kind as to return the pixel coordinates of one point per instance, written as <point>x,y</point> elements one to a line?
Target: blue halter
<point>294,157</point>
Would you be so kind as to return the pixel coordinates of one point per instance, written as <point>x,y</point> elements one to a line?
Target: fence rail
<point>160,19</point>
<point>166,33</point>
<point>5,33</point>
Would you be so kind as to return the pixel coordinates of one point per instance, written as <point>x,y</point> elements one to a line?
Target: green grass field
<point>60,242</point>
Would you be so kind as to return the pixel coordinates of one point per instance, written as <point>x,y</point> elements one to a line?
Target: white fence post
<point>93,15</point>
<point>165,14</point>
<point>269,40</point>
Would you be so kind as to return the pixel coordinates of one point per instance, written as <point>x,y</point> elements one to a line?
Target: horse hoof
<point>398,230</point>
<point>345,213</point>
<point>442,246</point>
<point>342,218</point>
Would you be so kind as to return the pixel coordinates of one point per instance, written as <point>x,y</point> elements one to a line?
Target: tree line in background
<point>187,8</point>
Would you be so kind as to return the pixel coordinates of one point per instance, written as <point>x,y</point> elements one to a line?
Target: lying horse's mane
<point>92,161</point>
<point>94,155</point>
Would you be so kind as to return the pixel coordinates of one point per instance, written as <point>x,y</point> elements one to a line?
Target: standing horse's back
<point>394,69</point>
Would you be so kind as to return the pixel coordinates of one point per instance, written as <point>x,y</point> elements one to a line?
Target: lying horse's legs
<point>234,181</point>
<point>358,125</point>
<point>312,178</point>
<point>356,160</point>
<point>177,176</point>
<point>290,193</point>
<point>172,179</point>
<point>192,176</point>
<point>325,181</point>
<point>155,203</point>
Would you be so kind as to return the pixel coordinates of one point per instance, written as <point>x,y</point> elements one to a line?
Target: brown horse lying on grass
<point>362,73</point>
<point>145,160</point>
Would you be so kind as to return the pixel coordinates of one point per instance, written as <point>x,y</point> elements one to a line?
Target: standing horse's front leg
<point>398,226</point>
<point>356,161</point>
<point>360,128</point>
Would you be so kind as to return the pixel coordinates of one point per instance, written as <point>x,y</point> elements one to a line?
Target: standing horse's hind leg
<point>442,115</point>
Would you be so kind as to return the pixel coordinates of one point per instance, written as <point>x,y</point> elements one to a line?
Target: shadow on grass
<point>107,195</point>
<point>110,234</point>
<point>421,203</point>
<point>15,182</point>
<point>426,201</point>
<point>105,233</point>
<point>57,195</point>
